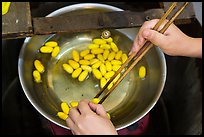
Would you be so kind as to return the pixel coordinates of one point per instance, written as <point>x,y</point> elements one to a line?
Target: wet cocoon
<point>62,115</point>
<point>51,44</point>
<point>76,73</point>
<point>37,76</point>
<point>55,51</point>
<point>67,68</point>
<point>65,107</point>
<point>83,75</point>
<point>142,72</point>
<point>39,66</point>
<point>75,55</point>
<point>46,49</point>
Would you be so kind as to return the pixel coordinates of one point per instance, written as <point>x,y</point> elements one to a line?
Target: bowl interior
<point>129,102</point>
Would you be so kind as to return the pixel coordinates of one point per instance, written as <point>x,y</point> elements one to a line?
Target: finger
<point>139,39</point>
<point>99,109</point>
<point>73,132</point>
<point>70,123</point>
<point>155,37</point>
<point>74,114</point>
<point>135,46</point>
<point>147,25</point>
<point>151,24</point>
<point>84,107</point>
<point>162,25</point>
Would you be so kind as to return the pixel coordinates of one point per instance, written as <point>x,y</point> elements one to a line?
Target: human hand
<point>173,42</point>
<point>89,119</point>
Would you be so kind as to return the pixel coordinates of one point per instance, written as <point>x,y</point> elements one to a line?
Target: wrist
<point>194,46</point>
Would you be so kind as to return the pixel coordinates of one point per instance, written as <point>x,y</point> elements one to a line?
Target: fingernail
<point>133,49</point>
<point>130,53</point>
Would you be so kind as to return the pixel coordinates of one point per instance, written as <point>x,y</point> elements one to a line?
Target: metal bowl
<point>130,101</point>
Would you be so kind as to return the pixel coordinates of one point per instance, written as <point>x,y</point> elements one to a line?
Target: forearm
<point>194,47</point>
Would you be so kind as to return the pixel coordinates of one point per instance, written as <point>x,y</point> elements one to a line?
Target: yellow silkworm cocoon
<point>85,67</point>
<point>95,100</point>
<point>105,54</point>
<point>97,73</point>
<point>65,107</point>
<point>74,103</point>
<point>75,55</point>
<point>109,40</point>
<point>37,76</point>
<point>102,69</point>
<point>114,47</point>
<point>97,51</point>
<point>116,62</point>
<point>108,66</point>
<point>116,78</point>
<point>55,51</point>
<point>109,74</point>
<point>93,46</point>
<point>74,64</point>
<point>97,64</point>
<point>109,117</point>
<point>84,52</point>
<point>51,44</point>
<point>67,68</point>
<point>89,56</point>
<point>84,62</point>
<point>124,57</point>
<point>62,115</point>
<point>39,66</point>
<point>76,73</point>
<point>105,46</point>
<point>46,49</point>
<point>99,41</point>
<point>93,61</point>
<point>83,75</point>
<point>110,85</point>
<point>5,7</point>
<point>111,56</point>
<point>103,82</point>
<point>118,55</point>
<point>107,79</point>
<point>142,72</point>
<point>100,57</point>
<point>116,67</point>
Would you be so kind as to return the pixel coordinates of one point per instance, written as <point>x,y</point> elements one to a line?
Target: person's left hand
<point>89,119</point>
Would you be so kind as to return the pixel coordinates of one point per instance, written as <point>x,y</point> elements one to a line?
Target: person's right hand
<point>173,42</point>
<point>90,119</point>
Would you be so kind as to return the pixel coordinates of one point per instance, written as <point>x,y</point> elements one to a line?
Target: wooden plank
<point>85,22</point>
<point>17,22</point>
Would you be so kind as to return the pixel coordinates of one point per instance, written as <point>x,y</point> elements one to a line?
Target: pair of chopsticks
<point>138,56</point>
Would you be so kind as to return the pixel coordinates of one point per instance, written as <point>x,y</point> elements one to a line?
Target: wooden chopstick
<point>138,56</point>
<point>133,55</point>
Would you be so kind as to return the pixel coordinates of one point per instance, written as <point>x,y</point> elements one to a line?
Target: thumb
<point>98,108</point>
<point>155,37</point>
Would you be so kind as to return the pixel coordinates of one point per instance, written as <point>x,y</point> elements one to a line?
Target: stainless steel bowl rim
<point>65,10</point>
